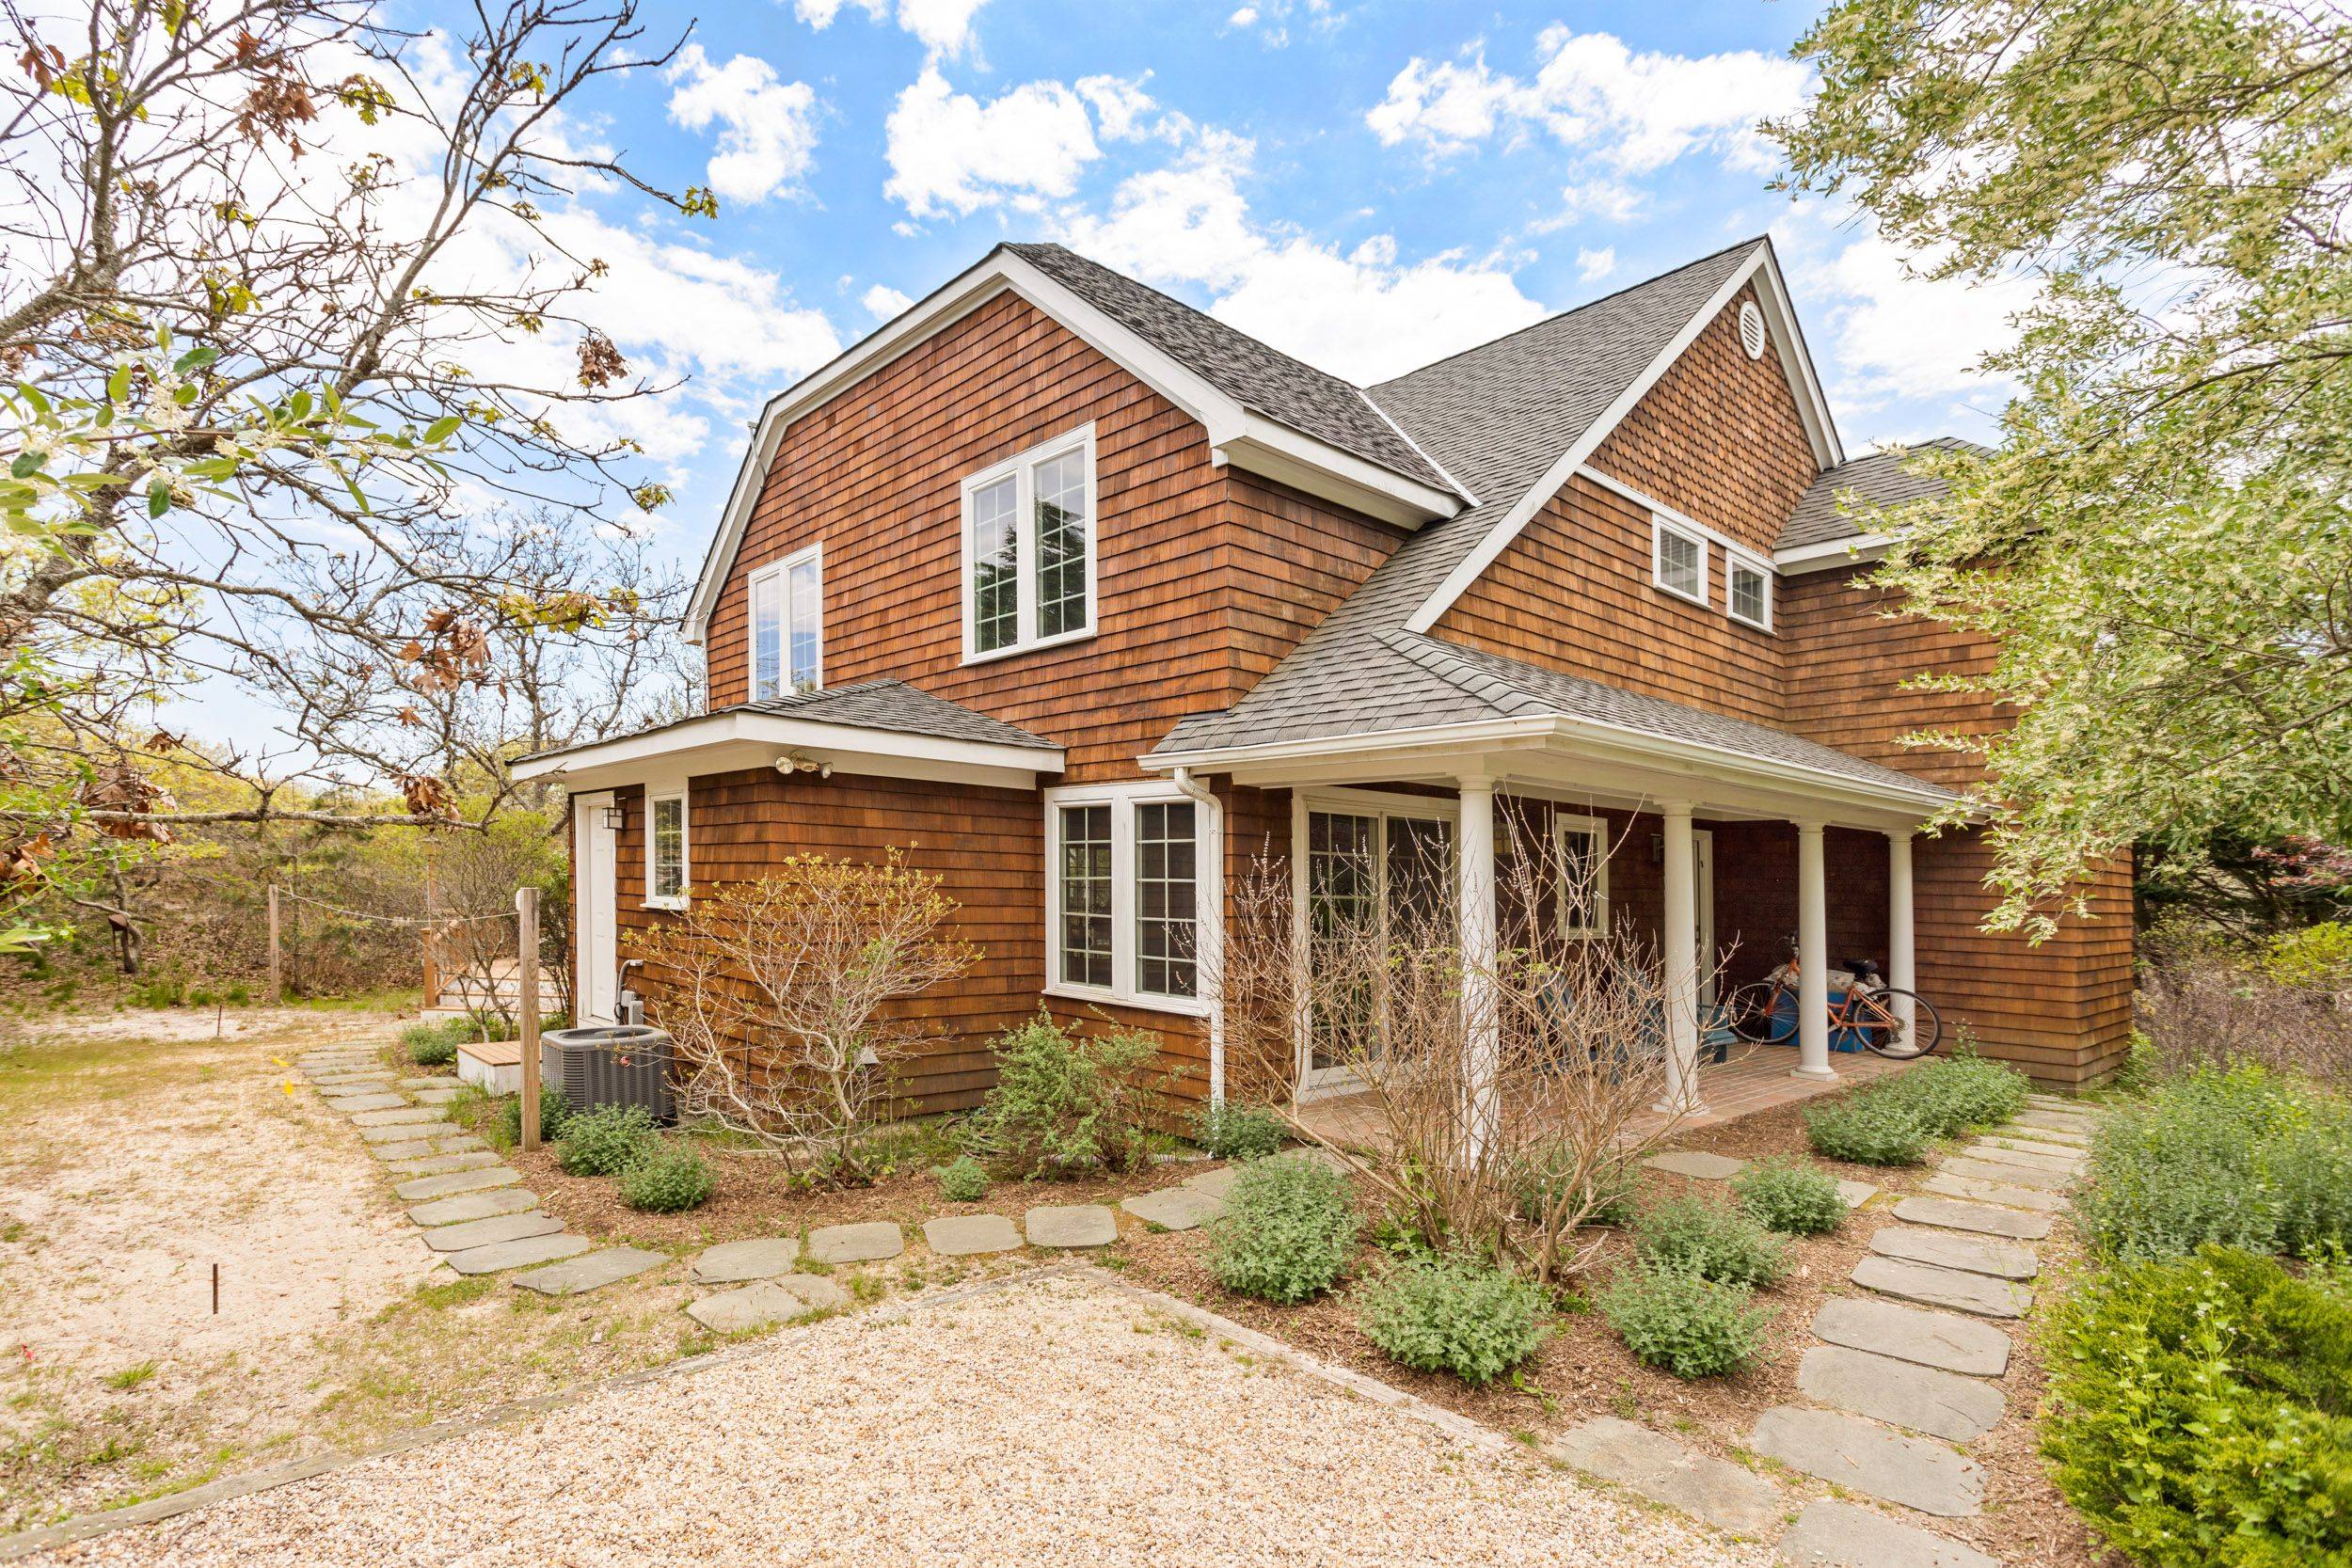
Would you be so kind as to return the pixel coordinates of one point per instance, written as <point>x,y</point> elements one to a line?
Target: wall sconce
<point>615,818</point>
<point>1657,848</point>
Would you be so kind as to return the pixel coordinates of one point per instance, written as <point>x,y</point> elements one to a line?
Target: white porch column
<point>1480,1032</point>
<point>1680,952</point>
<point>1901,970</point>
<point>1812,957</point>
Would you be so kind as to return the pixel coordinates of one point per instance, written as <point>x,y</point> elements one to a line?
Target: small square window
<point>1748,589</point>
<point>1680,561</point>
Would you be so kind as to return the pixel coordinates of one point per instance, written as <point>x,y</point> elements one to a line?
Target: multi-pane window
<point>1086,923</point>
<point>666,849</point>
<point>1129,894</point>
<point>1748,592</point>
<point>1583,875</point>
<point>1028,540</point>
<point>788,626</point>
<point>1678,560</point>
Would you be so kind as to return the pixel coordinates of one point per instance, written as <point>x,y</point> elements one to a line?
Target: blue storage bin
<point>1785,1017</point>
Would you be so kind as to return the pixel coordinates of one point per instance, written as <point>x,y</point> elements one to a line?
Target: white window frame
<point>1126,956</point>
<point>1735,561</point>
<point>1660,528</point>
<point>1023,467</point>
<point>1562,824</point>
<point>774,580</point>
<point>685,847</point>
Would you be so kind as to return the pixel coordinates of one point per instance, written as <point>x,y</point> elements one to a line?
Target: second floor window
<point>1678,560</point>
<point>1028,549</point>
<point>789,625</point>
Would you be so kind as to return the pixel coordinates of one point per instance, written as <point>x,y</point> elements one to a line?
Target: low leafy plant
<point>1791,1196</point>
<point>1689,1235</point>
<point>1682,1323</point>
<point>665,1177</point>
<point>1453,1315</point>
<point>1065,1100</point>
<point>963,1181</point>
<point>2201,1411</point>
<point>433,1044</point>
<point>605,1141</point>
<point>554,1111</point>
<point>1951,1094</point>
<point>1287,1233</point>
<point>1866,1129</point>
<point>1233,1131</point>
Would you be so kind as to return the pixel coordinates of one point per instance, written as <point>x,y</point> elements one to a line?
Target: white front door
<point>1703,905</point>
<point>596,909</point>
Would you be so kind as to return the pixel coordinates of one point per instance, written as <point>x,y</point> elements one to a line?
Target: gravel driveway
<point>1054,1421</point>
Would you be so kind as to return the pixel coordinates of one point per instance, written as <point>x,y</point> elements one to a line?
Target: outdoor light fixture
<point>615,818</point>
<point>790,763</point>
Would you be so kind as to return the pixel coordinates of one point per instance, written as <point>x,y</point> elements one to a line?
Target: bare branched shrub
<point>777,996</point>
<point>2207,1003</point>
<point>1506,1152</point>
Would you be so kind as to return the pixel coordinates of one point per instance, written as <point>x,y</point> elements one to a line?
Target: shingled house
<point>1083,597</point>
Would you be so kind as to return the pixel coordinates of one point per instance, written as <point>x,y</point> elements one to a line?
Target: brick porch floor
<point>1755,1079</point>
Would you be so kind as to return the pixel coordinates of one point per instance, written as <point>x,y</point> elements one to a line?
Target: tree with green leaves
<point>2160,542</point>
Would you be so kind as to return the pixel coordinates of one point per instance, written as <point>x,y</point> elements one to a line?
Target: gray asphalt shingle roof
<point>1880,478</point>
<point>893,705</point>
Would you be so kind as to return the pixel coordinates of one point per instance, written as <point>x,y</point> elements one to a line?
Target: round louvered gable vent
<point>1751,329</point>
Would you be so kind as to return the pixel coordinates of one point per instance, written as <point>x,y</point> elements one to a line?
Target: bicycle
<point>1896,1024</point>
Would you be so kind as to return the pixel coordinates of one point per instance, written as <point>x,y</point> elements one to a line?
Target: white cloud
<point>883,300</point>
<point>942,27</point>
<point>1242,18</point>
<point>1120,104</point>
<point>1593,265</point>
<point>949,151</point>
<point>1271,18</point>
<point>1632,112</point>
<point>1898,336</point>
<point>767,136</point>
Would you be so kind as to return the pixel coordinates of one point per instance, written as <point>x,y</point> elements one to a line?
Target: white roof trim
<point>1236,434</point>
<point>1820,430</point>
<point>1831,553</point>
<point>747,737</point>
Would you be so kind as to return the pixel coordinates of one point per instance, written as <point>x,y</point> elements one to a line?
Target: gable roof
<point>889,703</point>
<point>1876,479</point>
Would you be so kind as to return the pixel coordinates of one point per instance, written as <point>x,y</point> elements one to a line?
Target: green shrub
<point>1064,1101</point>
<point>963,1181</point>
<point>2200,1412</point>
<point>1232,1131</point>
<point>1791,1196</point>
<point>1684,1323</point>
<point>554,1111</point>
<point>665,1177</point>
<point>1689,1235</point>
<point>605,1141</point>
<point>1287,1232</point>
<point>1866,1130</point>
<point>1608,1198</point>
<point>1453,1315</point>
<point>2317,957</point>
<point>1951,1094</point>
<point>435,1044</point>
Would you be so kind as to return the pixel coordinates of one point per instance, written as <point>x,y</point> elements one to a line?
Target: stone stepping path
<point>1725,1495</point>
<point>425,1187</point>
<point>1931,1286</point>
<point>740,1263</point>
<point>498,1227</point>
<point>1900,1393</point>
<point>971,1235</point>
<point>1085,1224</point>
<point>2016,1175</point>
<point>590,1271</point>
<point>1866,1456</point>
<point>767,1302</point>
<point>2006,1194</point>
<point>1949,1250</point>
<point>869,1243</point>
<point>1178,1208</point>
<point>474,1206</point>
<point>1831,1532</point>
<point>497,1256</point>
<point>1983,1218</point>
<point>1911,1334</point>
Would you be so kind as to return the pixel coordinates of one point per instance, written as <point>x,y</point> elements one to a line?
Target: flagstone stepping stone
<point>434,1097</point>
<point>1862,1456</point>
<point>417,1148</point>
<point>441,1164</point>
<point>2021,1176</point>
<point>2033,1146</point>
<point>1994,1192</point>
<point>1949,1249</point>
<point>1912,1334</point>
<point>375,1100</point>
<point>1963,1291</point>
<point>590,1271</point>
<point>856,1244</point>
<point>1715,1490</point>
<point>455,1182</point>
<point>428,1082</point>
<point>1078,1225</point>
<point>769,1300</point>
<point>2064,1106</point>
<point>1215,1183</point>
<point>498,1227</point>
<point>1706,1167</point>
<point>408,1115</point>
<point>1174,1208</point>
<point>1830,1535</point>
<point>499,1257</point>
<point>398,1131</point>
<point>733,1263</point>
<point>967,1235</point>
<point>474,1206</point>
<point>348,1083</point>
<point>1902,1393</point>
<point>1856,1194</point>
<point>2053,1122</point>
<point>1982,1218</point>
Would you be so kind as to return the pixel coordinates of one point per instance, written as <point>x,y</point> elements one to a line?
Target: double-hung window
<point>1584,862</point>
<point>789,625</point>
<point>1678,560</point>
<point>665,848</point>
<point>1129,887</point>
<point>1028,549</point>
<point>1748,591</point>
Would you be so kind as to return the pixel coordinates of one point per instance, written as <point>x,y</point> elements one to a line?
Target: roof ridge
<point>1576,309</point>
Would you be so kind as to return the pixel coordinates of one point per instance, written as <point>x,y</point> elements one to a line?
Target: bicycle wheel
<point>1756,1015</point>
<point>1898,1025</point>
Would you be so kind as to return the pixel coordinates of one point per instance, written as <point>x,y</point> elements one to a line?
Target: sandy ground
<point>1057,1421</point>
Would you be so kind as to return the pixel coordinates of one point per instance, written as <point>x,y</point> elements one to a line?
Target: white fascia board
<point>719,742</point>
<point>1831,554</point>
<point>1234,434</point>
<point>1812,407</point>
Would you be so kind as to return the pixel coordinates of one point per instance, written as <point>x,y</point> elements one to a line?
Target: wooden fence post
<point>526,979</point>
<point>276,970</point>
<point>431,942</point>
